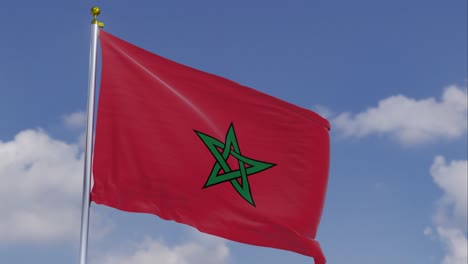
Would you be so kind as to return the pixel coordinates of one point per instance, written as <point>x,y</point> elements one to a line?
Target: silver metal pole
<point>89,137</point>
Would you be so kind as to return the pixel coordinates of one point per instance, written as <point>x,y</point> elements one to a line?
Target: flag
<point>202,150</point>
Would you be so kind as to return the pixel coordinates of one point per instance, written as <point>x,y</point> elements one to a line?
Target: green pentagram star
<point>221,171</point>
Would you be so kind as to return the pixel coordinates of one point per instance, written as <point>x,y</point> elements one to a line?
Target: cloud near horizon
<point>41,188</point>
<point>200,249</point>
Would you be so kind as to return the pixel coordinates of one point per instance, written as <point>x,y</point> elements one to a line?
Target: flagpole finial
<point>95,11</point>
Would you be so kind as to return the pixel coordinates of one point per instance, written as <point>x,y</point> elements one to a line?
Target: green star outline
<point>231,147</point>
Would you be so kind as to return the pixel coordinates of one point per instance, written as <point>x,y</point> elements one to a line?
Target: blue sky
<point>391,76</point>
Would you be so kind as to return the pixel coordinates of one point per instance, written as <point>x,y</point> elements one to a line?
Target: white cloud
<point>203,249</point>
<point>411,121</point>
<point>450,217</point>
<point>75,120</point>
<point>323,111</point>
<point>456,245</point>
<point>428,231</point>
<point>453,180</point>
<point>40,190</point>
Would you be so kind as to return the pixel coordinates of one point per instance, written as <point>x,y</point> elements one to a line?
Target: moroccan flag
<point>202,150</point>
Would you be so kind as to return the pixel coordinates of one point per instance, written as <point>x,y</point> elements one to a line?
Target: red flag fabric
<point>202,150</point>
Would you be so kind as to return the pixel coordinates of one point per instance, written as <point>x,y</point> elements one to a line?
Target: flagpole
<point>95,11</point>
